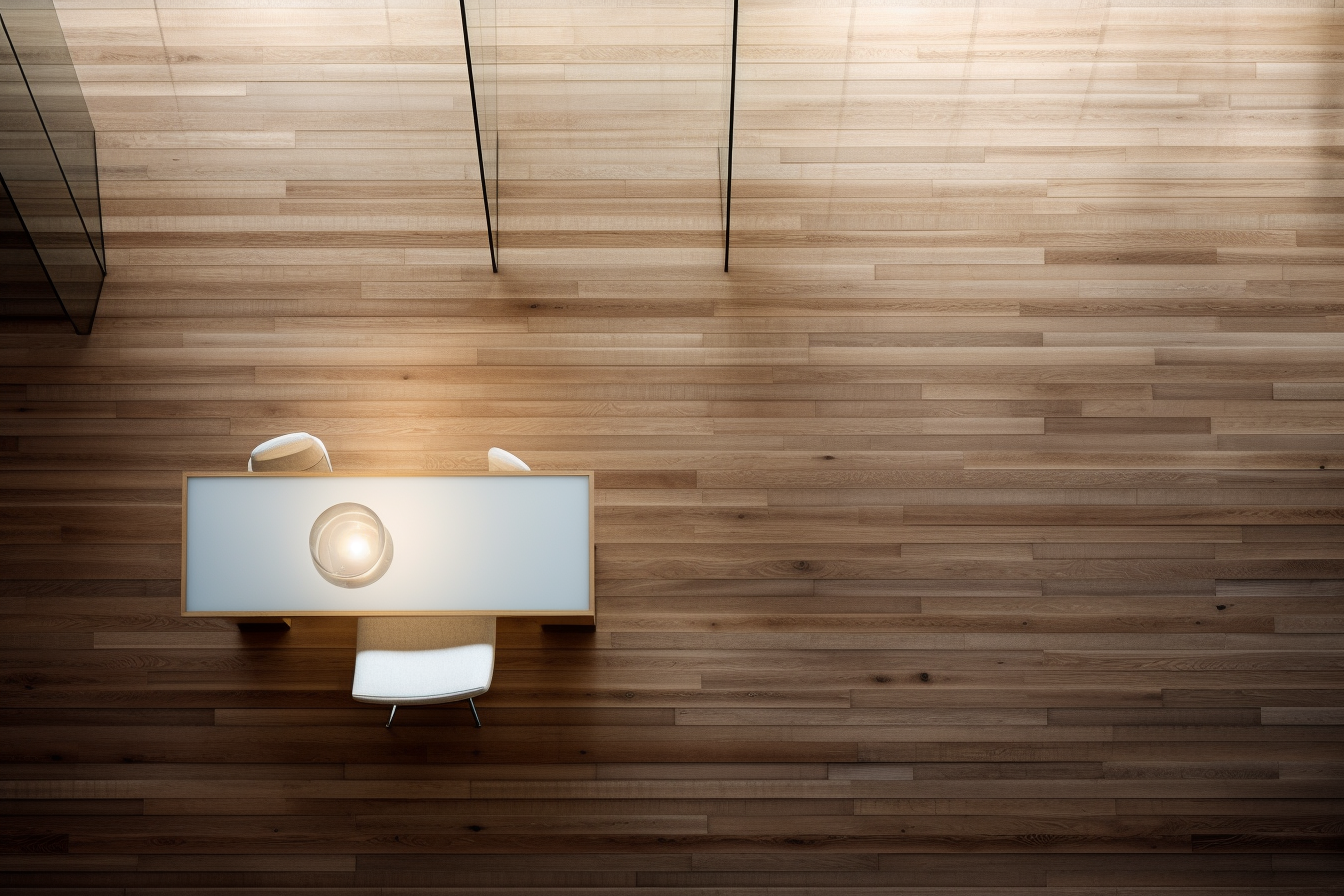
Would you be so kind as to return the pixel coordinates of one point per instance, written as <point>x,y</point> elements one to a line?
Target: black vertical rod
<point>480,155</point>
<point>732,107</point>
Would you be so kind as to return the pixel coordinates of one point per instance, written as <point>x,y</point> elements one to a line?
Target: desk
<point>502,544</point>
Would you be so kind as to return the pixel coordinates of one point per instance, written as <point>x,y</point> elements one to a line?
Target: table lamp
<point>350,546</point>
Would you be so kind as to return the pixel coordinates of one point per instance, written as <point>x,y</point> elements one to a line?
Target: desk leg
<point>264,624</point>
<point>580,624</point>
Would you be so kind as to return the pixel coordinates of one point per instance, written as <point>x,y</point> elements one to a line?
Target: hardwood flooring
<point>979,532</point>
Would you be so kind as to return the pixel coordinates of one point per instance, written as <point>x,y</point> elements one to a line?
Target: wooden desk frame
<point>557,620</point>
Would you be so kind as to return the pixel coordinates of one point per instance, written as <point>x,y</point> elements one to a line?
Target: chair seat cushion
<point>423,676</point>
<point>411,660</point>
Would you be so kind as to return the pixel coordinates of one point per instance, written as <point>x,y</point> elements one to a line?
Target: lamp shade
<point>350,546</point>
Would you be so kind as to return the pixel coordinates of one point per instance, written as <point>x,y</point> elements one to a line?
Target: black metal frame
<point>732,110</point>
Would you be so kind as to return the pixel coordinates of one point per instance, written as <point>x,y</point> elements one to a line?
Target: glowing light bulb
<point>349,545</point>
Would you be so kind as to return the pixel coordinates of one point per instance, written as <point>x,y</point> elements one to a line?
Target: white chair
<point>502,461</point>
<point>296,452</point>
<point>428,659</point>
<point>423,659</point>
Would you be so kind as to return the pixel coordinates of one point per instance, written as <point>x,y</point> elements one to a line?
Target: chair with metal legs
<point>404,660</point>
<point>419,660</point>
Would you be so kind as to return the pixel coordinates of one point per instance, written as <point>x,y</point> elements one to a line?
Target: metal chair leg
<point>390,716</point>
<point>474,714</point>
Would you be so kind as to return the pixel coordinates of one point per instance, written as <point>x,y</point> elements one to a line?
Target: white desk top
<point>500,544</point>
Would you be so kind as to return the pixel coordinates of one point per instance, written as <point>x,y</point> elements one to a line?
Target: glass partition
<point>709,81</point>
<point>726,138</point>
<point>480,37</point>
<point>25,291</point>
<point>48,160</point>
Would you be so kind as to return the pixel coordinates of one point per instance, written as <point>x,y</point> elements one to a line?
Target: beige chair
<point>418,660</point>
<point>296,452</point>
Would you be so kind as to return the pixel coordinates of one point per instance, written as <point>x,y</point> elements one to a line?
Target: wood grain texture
<point>979,532</point>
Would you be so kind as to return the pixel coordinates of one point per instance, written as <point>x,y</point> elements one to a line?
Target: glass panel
<point>47,156</point>
<point>480,35</point>
<point>25,290</point>
<point>35,32</point>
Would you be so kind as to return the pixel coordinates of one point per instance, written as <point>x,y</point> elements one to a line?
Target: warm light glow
<point>352,537</point>
<point>349,545</point>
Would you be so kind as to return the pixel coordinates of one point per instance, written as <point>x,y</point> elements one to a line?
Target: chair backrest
<point>406,633</point>
<point>502,461</point>
<point>296,452</point>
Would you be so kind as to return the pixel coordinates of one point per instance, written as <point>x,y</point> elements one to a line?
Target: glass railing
<point>49,164</point>
<point>25,291</point>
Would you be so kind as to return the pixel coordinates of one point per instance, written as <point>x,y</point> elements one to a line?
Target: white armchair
<point>295,452</point>
<point>404,660</point>
<point>423,659</point>
<point>501,461</point>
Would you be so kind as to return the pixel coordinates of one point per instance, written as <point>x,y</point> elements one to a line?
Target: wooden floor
<point>980,532</point>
